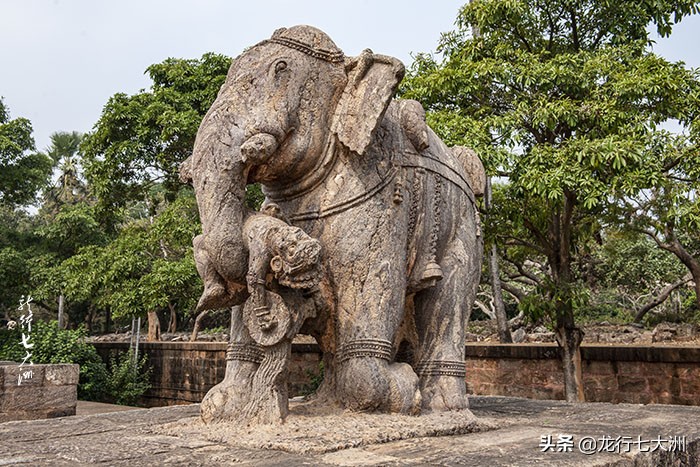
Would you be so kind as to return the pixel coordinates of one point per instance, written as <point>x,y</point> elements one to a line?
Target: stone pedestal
<point>37,391</point>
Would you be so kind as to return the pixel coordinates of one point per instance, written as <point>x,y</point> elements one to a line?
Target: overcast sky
<point>60,60</point>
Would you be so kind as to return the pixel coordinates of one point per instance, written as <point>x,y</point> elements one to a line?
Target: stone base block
<point>38,391</point>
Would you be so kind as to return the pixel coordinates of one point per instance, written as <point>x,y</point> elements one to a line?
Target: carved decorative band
<point>361,348</point>
<point>326,55</point>
<point>244,352</point>
<point>441,368</point>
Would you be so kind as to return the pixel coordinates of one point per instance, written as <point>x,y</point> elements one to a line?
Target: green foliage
<point>22,173</point>
<point>147,266</point>
<point>69,188</point>
<point>141,140</point>
<point>122,382</point>
<point>254,196</point>
<point>546,304</point>
<point>634,263</point>
<point>563,100</point>
<point>73,227</point>
<point>52,345</point>
<point>128,380</point>
<point>315,380</point>
<point>13,277</point>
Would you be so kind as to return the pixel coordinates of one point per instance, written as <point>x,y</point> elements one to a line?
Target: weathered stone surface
<point>361,175</point>
<point>61,375</point>
<point>137,438</point>
<point>51,391</point>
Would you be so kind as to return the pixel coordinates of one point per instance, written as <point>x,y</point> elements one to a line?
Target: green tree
<point>148,267</point>
<point>69,188</point>
<point>140,140</point>
<point>66,222</point>
<point>563,98</point>
<point>22,172</point>
<point>668,209</point>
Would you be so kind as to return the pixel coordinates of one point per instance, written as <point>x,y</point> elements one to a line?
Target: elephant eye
<point>280,66</point>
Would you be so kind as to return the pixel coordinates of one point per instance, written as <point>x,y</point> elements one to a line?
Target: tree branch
<point>663,295</point>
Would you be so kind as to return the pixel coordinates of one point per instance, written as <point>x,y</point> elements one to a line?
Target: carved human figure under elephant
<point>393,209</point>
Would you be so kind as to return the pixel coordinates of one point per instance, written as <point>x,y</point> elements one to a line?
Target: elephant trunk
<point>219,173</point>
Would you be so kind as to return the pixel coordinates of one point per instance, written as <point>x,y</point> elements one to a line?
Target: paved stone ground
<point>90,408</point>
<point>135,438</point>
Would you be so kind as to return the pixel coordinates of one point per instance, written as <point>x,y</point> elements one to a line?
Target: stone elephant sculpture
<point>391,205</point>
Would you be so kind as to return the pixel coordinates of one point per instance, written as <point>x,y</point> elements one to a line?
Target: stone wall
<point>632,374</point>
<point>51,391</point>
<point>184,372</point>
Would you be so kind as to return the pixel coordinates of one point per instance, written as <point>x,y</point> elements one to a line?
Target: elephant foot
<point>442,393</point>
<point>371,384</point>
<point>225,401</point>
<point>404,395</point>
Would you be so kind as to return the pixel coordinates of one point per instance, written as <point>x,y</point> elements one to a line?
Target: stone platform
<point>512,432</point>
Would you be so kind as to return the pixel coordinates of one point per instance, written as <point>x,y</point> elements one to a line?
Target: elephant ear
<point>372,81</point>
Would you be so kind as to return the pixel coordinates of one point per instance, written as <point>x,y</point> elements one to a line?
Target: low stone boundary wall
<point>46,391</point>
<point>184,372</point>
<point>632,374</point>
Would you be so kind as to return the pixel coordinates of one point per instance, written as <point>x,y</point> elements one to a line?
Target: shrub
<point>128,379</point>
<point>123,382</point>
<point>52,345</point>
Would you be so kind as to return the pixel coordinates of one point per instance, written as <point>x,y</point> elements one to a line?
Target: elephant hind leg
<point>440,313</point>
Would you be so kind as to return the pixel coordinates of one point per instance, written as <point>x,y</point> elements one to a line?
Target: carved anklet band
<point>361,348</point>
<point>441,368</point>
<point>244,352</point>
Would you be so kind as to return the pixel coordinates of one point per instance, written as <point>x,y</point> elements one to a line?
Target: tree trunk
<point>108,320</point>
<point>569,339</point>
<point>499,307</point>
<point>89,317</point>
<point>172,324</point>
<point>153,327</point>
<point>60,311</point>
<point>673,245</point>
<point>197,324</point>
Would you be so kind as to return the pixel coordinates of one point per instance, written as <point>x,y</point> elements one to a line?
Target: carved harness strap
<point>361,348</point>
<point>436,166</point>
<point>350,203</point>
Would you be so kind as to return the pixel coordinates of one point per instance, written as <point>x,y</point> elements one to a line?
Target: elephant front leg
<point>369,313</point>
<point>226,400</point>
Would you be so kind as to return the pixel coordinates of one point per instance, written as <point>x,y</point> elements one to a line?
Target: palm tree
<point>68,188</point>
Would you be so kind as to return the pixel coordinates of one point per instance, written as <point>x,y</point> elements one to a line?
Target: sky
<point>61,60</point>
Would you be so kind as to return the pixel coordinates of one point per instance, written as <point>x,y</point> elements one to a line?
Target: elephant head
<point>284,102</point>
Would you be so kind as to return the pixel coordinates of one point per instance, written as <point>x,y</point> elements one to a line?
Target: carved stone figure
<point>361,175</point>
